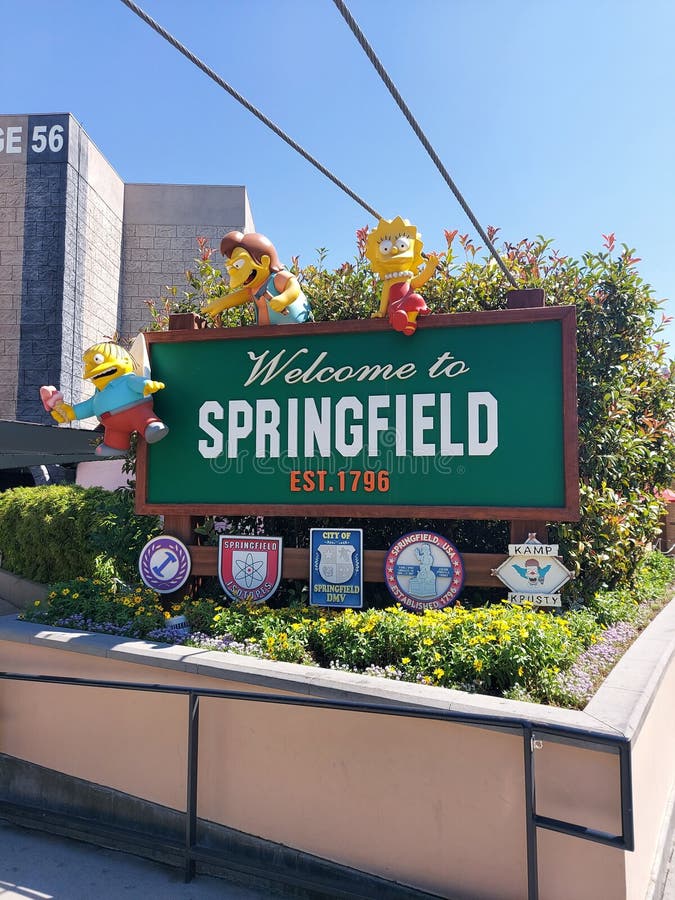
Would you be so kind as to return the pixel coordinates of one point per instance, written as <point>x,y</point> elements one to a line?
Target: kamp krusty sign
<point>534,573</point>
<point>475,417</point>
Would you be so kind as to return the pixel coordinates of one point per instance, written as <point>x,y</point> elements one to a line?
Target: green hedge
<point>58,532</point>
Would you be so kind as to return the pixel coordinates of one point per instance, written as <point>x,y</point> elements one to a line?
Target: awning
<point>24,444</point>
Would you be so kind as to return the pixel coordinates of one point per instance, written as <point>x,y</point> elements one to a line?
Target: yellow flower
<point>439,673</point>
<point>37,602</point>
<point>520,670</point>
<point>296,626</point>
<point>75,596</point>
<point>65,592</point>
<point>427,642</point>
<point>167,614</point>
<point>405,660</point>
<point>478,664</point>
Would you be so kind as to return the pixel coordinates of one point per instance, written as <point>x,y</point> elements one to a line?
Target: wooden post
<point>527,298</point>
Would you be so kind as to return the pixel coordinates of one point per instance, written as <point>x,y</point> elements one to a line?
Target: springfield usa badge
<point>164,564</point>
<point>336,567</point>
<point>423,570</point>
<point>249,568</point>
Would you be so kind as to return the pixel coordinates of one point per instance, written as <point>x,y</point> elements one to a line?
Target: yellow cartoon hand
<point>277,304</point>
<point>377,315</point>
<point>151,387</point>
<point>63,412</point>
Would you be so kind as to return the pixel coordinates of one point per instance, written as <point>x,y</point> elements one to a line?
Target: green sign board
<point>473,416</point>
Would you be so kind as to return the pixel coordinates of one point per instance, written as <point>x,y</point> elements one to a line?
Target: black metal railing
<point>532,734</point>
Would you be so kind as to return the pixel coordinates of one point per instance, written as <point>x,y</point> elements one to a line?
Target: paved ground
<point>39,866</point>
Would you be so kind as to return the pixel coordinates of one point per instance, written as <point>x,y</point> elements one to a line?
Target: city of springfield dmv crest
<point>423,570</point>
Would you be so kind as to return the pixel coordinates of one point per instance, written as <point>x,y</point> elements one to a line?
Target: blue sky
<point>552,118</point>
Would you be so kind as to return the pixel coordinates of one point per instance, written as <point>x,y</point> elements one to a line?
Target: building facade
<point>81,252</point>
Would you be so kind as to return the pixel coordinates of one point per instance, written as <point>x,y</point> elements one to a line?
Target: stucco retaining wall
<point>436,805</point>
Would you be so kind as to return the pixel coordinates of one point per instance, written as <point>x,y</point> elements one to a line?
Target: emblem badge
<point>423,570</point>
<point>336,563</point>
<point>164,564</point>
<point>249,568</point>
<point>336,567</point>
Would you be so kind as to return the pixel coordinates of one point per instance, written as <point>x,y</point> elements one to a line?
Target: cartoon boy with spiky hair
<point>122,401</point>
<point>394,250</point>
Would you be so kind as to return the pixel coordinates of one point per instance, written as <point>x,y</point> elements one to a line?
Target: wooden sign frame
<point>568,511</point>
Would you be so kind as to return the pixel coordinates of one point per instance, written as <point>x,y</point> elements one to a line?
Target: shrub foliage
<point>58,532</point>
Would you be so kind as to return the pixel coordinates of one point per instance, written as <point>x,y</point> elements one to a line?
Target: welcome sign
<point>473,417</point>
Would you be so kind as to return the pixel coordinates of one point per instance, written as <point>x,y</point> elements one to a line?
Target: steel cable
<point>381,71</point>
<point>245,103</point>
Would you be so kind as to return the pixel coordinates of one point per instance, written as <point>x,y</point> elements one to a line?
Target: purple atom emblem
<point>164,564</point>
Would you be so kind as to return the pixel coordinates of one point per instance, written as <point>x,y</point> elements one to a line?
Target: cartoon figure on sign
<point>257,276</point>
<point>122,401</point>
<point>424,583</point>
<point>394,250</point>
<point>532,571</point>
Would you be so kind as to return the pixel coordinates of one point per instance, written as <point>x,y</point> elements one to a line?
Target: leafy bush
<point>626,395</point>
<point>58,532</point>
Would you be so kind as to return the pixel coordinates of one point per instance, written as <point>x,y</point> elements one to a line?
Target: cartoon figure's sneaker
<point>155,431</point>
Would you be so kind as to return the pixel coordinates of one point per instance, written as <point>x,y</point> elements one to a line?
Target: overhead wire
<point>403,106</point>
<point>379,68</point>
<point>249,106</point>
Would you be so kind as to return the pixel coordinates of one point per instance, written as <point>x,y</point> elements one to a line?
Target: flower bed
<point>501,649</point>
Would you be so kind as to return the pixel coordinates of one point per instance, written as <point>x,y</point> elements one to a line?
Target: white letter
<point>401,425</point>
<point>207,450</point>
<point>293,427</point>
<point>342,446</point>
<point>447,447</point>
<point>14,139</point>
<point>317,427</point>
<point>421,423</point>
<point>489,445</point>
<point>375,423</point>
<point>235,431</point>
<point>267,428</point>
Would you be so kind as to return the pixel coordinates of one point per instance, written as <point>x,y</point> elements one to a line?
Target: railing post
<point>192,777</point>
<point>530,807</point>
